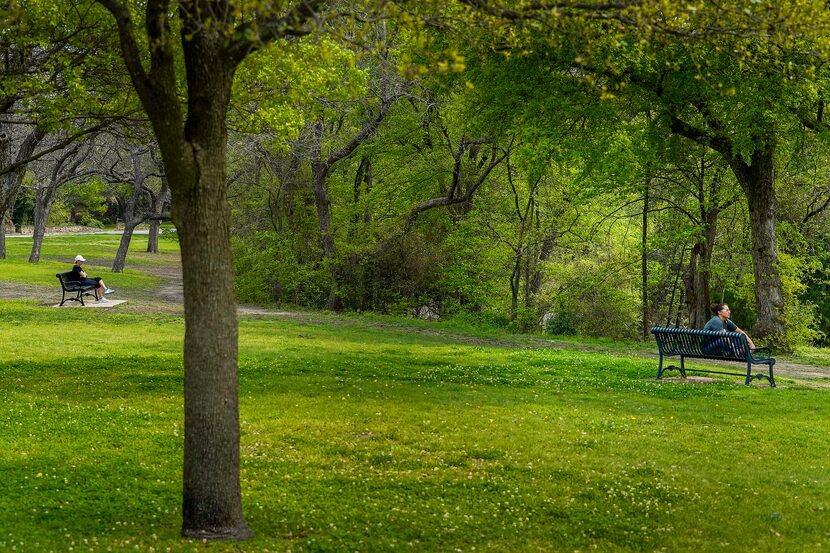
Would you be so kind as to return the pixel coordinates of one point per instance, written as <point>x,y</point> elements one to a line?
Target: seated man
<point>79,274</point>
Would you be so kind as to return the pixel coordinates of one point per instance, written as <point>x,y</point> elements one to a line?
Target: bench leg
<point>661,369</point>
<point>65,298</point>
<point>750,377</point>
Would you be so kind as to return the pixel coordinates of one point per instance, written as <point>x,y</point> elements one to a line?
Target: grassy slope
<point>362,438</point>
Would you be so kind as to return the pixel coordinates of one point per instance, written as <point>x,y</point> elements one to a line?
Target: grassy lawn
<point>359,436</point>
<point>58,252</point>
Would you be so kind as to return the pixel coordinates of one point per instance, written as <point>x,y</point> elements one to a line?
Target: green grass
<point>370,434</point>
<point>811,355</point>
<point>58,253</point>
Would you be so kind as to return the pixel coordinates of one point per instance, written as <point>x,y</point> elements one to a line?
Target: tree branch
<point>129,47</point>
<point>529,10</point>
<point>273,28</point>
<point>718,143</point>
<point>364,133</point>
<point>57,146</point>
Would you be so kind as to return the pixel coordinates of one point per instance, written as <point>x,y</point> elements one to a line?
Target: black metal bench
<point>70,287</point>
<point>709,344</point>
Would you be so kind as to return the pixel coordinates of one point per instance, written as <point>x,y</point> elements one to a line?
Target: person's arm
<point>748,339</point>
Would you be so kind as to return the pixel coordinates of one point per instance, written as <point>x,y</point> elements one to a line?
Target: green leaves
<point>274,85</point>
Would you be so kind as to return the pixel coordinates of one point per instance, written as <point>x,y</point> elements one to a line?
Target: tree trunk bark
<point>43,204</point>
<point>515,276</point>
<point>212,493</point>
<point>323,205</point>
<point>10,182</point>
<point>161,200</point>
<point>696,281</point>
<point>697,287</point>
<point>194,149</point>
<point>758,183</point>
<point>644,261</point>
<point>153,237</point>
<point>544,255</point>
<point>6,182</point>
<point>2,235</point>
<point>123,247</point>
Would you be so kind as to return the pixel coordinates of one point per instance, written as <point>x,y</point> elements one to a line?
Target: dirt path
<point>169,299</point>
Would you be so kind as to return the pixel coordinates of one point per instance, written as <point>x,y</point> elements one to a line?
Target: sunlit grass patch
<point>59,251</point>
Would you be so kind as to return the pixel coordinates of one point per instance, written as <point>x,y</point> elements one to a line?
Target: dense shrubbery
<point>458,271</point>
<point>268,273</point>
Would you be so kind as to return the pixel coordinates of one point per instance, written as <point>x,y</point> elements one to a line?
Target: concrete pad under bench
<point>92,303</point>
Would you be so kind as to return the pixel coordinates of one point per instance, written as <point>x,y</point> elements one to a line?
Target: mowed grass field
<point>378,434</point>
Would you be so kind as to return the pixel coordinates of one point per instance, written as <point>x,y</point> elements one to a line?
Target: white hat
<point>79,258</point>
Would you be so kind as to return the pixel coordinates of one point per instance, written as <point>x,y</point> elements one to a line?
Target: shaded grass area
<point>356,437</point>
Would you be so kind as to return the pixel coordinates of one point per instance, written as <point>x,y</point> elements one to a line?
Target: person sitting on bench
<point>80,275</point>
<point>721,323</point>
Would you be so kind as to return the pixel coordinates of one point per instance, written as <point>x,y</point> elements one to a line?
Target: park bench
<point>710,344</point>
<point>69,287</point>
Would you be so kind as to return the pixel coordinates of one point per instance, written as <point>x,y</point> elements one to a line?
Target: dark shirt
<point>76,273</point>
<point>716,324</point>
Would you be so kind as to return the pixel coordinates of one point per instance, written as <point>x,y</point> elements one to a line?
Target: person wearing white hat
<point>80,275</point>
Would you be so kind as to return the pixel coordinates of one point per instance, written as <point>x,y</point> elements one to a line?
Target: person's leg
<point>718,346</point>
<point>101,288</point>
<point>106,289</point>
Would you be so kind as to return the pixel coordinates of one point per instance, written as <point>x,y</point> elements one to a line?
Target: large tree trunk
<point>758,183</point>
<point>696,283</point>
<point>212,491</point>
<point>757,179</point>
<point>193,149</point>
<point>212,494</point>
<point>194,153</point>
<point>153,236</point>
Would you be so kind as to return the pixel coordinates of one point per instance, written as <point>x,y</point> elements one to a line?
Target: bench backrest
<point>67,283</point>
<point>708,344</point>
